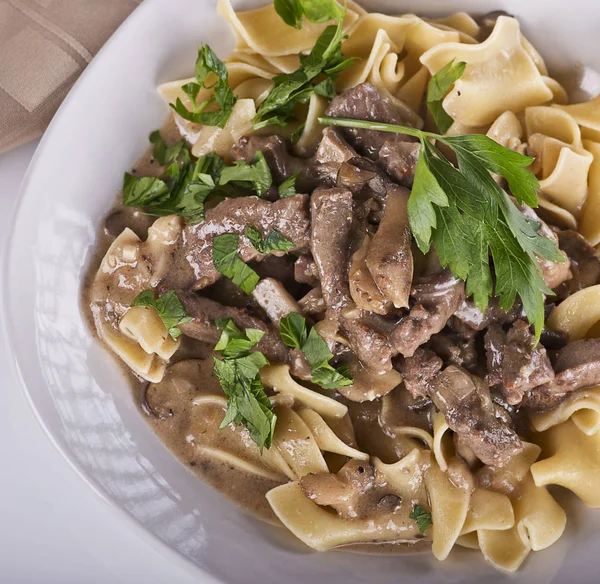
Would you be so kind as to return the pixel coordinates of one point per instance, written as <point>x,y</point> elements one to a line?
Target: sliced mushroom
<point>363,289</point>
<point>389,257</point>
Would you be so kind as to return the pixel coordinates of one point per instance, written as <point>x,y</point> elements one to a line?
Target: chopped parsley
<point>326,58</point>
<point>292,11</point>
<point>169,308</point>
<point>422,518</point>
<point>288,187</point>
<point>238,373</point>
<point>274,241</point>
<point>437,89</point>
<point>227,262</point>
<point>255,176</point>
<point>208,66</point>
<point>294,334</point>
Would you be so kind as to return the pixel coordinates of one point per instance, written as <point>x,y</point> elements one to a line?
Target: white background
<point>53,528</point>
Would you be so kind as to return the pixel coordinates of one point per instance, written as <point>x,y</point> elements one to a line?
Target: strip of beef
<point>274,299</point>
<point>204,312</point>
<point>577,366</point>
<point>370,345</point>
<point>419,371</point>
<point>399,159</point>
<point>312,303</point>
<point>389,256</point>
<point>470,315</point>
<point>436,298</point>
<point>457,348</point>
<point>555,273</point>
<point>332,219</point>
<point>363,102</point>
<point>585,262</point>
<point>331,212</point>
<point>515,363</point>
<point>194,266</point>
<point>466,403</point>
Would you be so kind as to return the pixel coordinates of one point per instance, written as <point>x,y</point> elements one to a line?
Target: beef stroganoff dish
<point>353,280</point>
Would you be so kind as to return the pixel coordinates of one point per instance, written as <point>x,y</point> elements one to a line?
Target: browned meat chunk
<point>305,270</point>
<point>363,102</point>
<point>194,267</point>
<point>312,303</point>
<point>333,148</point>
<point>515,363</point>
<point>357,491</point>
<point>469,410</point>
<point>470,315</point>
<point>389,257</point>
<point>363,289</point>
<point>364,178</point>
<point>281,163</point>
<point>585,262</point>
<point>419,371</point>
<point>577,366</point>
<point>331,217</point>
<point>274,299</point>
<point>370,345</point>
<point>554,273</point>
<point>457,349</point>
<point>399,159</point>
<point>436,299</point>
<point>204,312</point>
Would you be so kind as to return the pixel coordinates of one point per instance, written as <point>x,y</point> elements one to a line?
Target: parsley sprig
<point>238,373</point>
<point>293,331</point>
<point>467,215</point>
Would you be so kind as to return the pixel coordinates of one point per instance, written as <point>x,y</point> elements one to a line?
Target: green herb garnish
<point>208,63</point>
<point>294,334</point>
<point>255,176</point>
<point>422,518</point>
<point>274,241</point>
<point>183,190</point>
<point>291,11</point>
<point>227,262</point>
<point>167,154</point>
<point>238,374</point>
<point>326,58</point>
<point>288,187</point>
<point>437,89</point>
<point>169,308</point>
<point>466,214</point>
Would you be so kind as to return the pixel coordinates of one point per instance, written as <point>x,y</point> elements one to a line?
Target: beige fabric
<point>44,47</point>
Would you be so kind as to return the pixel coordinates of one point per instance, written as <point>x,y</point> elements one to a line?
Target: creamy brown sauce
<point>172,414</point>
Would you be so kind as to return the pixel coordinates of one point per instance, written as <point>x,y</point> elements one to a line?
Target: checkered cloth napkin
<point>44,47</point>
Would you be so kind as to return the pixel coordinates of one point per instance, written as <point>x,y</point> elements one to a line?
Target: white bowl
<point>76,388</point>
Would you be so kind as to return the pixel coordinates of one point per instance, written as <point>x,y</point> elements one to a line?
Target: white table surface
<point>53,528</point>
